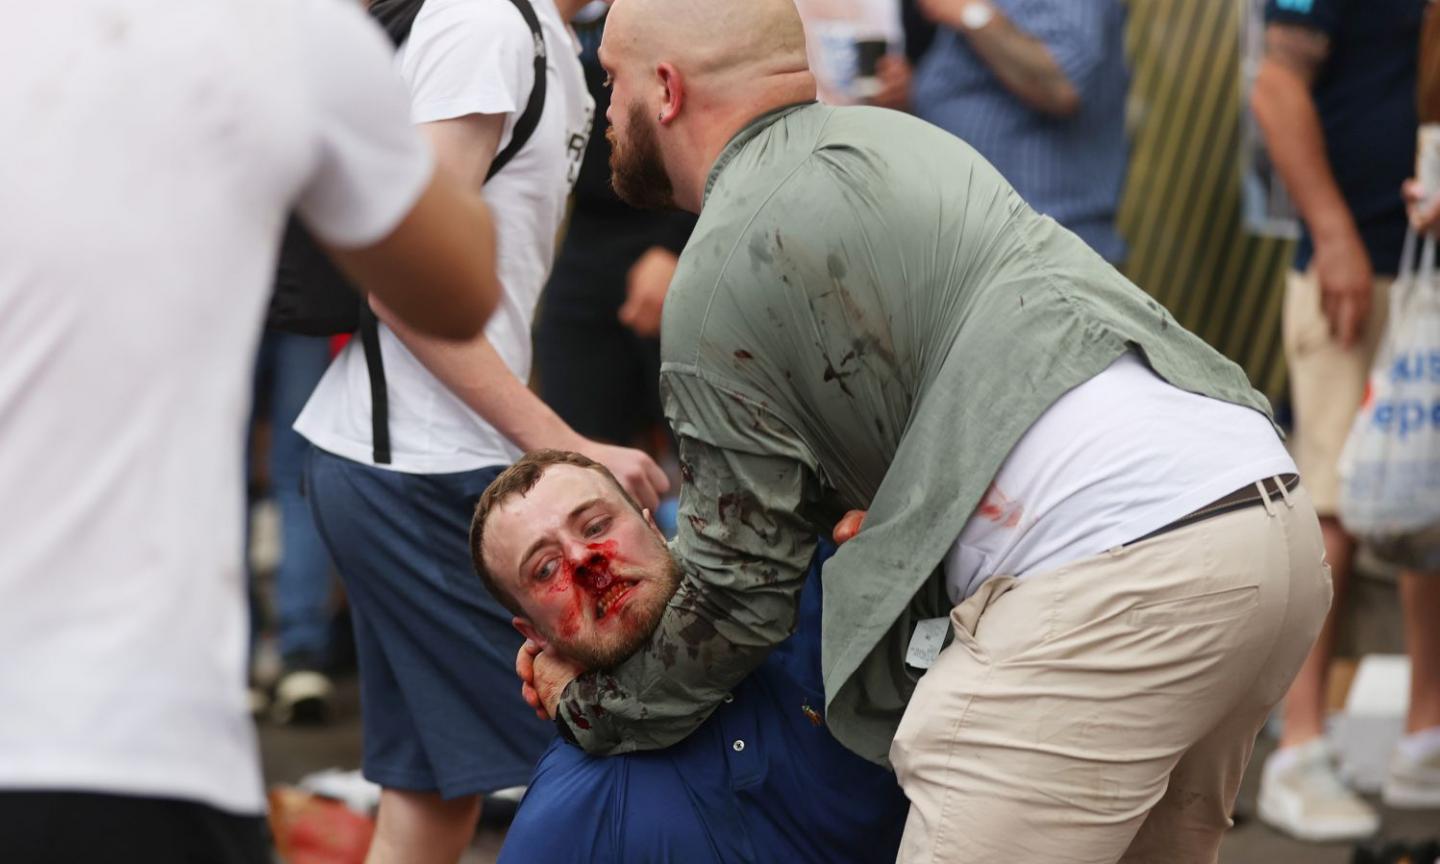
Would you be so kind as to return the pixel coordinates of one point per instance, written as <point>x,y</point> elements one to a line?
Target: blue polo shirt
<point>1069,168</point>
<point>761,781</point>
<point>1365,94</point>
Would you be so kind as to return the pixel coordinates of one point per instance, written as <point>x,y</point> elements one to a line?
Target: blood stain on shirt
<point>998,508</point>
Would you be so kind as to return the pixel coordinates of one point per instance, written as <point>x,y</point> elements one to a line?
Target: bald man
<point>1089,501</point>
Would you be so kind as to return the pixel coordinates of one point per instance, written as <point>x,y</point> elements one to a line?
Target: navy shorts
<point>439,699</point>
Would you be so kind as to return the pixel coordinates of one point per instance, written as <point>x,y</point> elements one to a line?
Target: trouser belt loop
<point>1284,492</point>
<point>1265,497</point>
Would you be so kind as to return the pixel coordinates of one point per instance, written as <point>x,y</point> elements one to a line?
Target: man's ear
<point>529,632</point>
<point>650,520</point>
<point>674,93</point>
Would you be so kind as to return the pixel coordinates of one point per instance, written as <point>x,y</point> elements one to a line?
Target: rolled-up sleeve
<point>744,548</point>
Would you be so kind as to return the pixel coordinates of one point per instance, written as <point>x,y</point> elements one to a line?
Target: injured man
<point>587,575</point>
<point>1087,500</point>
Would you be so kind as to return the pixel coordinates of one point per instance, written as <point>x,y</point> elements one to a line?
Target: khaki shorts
<point>1327,382</point>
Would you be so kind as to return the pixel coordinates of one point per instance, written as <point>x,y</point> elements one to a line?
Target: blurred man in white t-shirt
<point>152,152</point>
<point>443,723</point>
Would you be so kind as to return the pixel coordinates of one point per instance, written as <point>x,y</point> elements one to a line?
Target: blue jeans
<point>286,371</point>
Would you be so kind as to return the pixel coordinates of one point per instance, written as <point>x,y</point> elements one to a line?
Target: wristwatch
<point>975,14</point>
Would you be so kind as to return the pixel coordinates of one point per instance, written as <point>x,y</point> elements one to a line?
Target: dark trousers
<point>44,827</point>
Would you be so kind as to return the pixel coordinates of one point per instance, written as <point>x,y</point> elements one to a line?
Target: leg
<point>1414,776</point>
<point>422,828</point>
<point>302,580</point>
<point>439,703</point>
<point>1195,812</point>
<point>1420,604</point>
<point>1050,728</point>
<point>1305,703</point>
<point>1300,792</point>
<point>1190,820</point>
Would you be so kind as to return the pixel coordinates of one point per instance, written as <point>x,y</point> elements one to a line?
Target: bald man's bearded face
<point>636,170</point>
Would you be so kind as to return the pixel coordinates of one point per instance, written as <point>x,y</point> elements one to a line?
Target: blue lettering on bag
<point>1416,367</point>
<point>1404,418</point>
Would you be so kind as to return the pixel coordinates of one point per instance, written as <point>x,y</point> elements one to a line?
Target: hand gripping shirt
<point>867,316</point>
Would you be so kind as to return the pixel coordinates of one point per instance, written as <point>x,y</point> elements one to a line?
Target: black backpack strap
<point>529,118</point>
<point>379,400</point>
<point>397,16</point>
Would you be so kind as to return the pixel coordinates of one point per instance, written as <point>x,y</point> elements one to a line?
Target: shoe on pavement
<point>302,696</point>
<point>1302,795</point>
<point>497,809</point>
<point>1414,777</point>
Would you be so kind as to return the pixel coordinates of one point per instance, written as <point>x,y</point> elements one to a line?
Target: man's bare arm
<point>472,369</point>
<point>1291,124</point>
<point>1022,62</point>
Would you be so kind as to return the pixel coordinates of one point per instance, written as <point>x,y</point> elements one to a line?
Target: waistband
<point>1261,491</point>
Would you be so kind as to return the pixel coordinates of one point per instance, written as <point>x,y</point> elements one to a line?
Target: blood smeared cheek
<point>571,613</point>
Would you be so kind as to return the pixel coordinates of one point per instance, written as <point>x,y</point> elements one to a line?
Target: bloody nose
<point>594,573</point>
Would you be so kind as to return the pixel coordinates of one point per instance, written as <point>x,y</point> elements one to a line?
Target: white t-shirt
<point>152,152</point>
<point>1119,456</point>
<point>471,57</point>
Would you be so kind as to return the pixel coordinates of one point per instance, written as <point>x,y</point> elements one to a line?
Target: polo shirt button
<point>729,697</point>
<point>738,746</point>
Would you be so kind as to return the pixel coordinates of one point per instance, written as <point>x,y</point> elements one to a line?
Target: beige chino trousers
<point>1105,711</point>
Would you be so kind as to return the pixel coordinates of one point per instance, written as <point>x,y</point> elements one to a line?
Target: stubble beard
<point>637,172</point>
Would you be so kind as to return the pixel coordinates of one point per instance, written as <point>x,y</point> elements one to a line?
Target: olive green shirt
<point>867,316</point>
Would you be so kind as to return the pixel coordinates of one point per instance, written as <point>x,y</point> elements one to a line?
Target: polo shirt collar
<point>743,137</point>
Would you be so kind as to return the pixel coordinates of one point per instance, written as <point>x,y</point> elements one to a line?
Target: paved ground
<point>291,753</point>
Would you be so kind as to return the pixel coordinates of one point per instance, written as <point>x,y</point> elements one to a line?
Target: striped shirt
<point>1068,168</point>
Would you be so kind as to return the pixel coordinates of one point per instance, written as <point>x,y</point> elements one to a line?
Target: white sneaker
<point>1301,795</point>
<point>1414,778</point>
<point>302,696</point>
<point>359,794</point>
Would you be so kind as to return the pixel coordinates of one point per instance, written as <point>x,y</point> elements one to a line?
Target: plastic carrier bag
<point>1390,467</point>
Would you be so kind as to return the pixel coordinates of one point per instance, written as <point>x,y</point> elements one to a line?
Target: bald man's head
<point>685,75</point>
<point>703,38</point>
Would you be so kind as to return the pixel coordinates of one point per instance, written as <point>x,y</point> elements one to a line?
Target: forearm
<point>745,550</point>
<point>1024,66</point>
<point>476,373</point>
<point>699,653</point>
<point>1296,143</point>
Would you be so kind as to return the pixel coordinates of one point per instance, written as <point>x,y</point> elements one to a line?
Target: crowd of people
<point>729,424</point>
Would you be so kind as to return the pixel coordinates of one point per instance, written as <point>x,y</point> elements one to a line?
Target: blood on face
<point>593,574</point>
